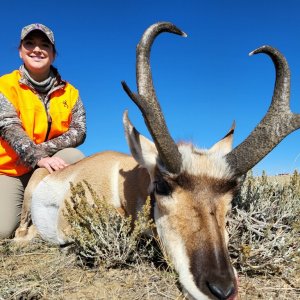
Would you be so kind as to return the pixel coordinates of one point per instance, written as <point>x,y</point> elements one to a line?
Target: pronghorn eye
<point>162,188</point>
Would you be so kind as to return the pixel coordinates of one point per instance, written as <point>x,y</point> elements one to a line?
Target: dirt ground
<point>40,271</point>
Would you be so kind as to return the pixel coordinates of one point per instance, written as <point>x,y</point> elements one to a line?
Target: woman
<point>41,119</point>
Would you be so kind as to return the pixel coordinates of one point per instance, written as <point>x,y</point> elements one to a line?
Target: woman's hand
<point>52,163</point>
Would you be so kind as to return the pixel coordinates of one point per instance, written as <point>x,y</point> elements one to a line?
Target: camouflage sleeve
<point>74,137</point>
<point>12,132</point>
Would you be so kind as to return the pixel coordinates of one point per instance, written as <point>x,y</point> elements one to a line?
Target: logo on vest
<point>65,104</point>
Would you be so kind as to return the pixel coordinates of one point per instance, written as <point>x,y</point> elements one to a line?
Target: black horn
<point>147,101</point>
<point>278,122</point>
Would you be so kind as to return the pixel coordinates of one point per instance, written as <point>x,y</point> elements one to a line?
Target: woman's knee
<point>12,191</point>
<point>70,155</point>
<point>7,230</point>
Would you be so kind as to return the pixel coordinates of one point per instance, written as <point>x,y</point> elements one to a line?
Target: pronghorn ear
<point>224,146</point>
<point>142,149</point>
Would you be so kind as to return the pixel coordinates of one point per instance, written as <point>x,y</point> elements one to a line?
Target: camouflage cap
<point>47,31</point>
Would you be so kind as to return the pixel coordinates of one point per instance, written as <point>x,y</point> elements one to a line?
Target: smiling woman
<point>42,119</point>
<point>37,53</point>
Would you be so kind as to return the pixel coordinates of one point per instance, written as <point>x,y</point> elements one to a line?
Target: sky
<point>203,82</point>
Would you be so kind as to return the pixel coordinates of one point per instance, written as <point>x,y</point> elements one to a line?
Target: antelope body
<point>192,188</point>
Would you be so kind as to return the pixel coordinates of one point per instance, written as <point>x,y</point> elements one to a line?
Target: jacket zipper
<point>48,131</point>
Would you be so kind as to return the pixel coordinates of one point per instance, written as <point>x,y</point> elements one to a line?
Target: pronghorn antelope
<point>191,188</point>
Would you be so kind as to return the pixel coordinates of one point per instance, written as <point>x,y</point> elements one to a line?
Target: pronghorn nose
<point>222,293</point>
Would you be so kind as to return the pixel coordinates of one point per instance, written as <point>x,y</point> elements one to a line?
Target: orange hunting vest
<point>33,116</point>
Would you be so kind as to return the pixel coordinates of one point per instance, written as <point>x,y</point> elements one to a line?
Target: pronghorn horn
<point>147,101</point>
<point>278,122</point>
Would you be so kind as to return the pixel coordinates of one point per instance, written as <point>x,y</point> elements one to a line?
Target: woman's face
<point>37,53</point>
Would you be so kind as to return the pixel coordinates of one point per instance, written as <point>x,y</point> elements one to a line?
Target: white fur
<point>116,202</point>
<point>46,201</point>
<point>203,162</point>
<point>176,250</point>
<point>142,149</point>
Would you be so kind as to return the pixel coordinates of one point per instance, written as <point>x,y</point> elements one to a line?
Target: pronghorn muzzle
<point>213,274</point>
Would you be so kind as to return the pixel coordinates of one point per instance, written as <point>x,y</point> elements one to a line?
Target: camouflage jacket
<point>29,153</point>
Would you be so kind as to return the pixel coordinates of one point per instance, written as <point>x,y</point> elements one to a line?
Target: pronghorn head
<point>192,188</point>
<point>190,212</point>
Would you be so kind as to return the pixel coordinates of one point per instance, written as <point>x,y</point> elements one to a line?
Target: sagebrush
<point>102,236</point>
<point>265,226</point>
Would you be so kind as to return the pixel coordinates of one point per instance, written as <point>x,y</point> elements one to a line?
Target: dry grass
<point>43,271</point>
<point>258,243</point>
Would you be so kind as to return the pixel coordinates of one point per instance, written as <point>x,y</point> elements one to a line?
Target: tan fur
<point>198,211</point>
<point>132,184</point>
